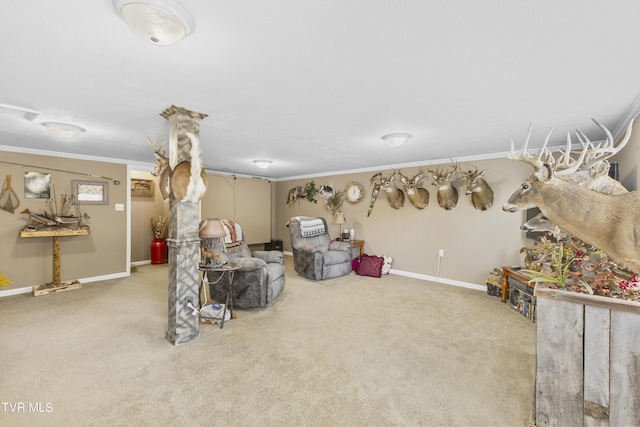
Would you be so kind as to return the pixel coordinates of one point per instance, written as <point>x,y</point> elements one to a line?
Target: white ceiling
<point>313,85</point>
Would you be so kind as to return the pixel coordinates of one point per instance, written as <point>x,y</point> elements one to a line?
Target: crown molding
<point>631,113</point>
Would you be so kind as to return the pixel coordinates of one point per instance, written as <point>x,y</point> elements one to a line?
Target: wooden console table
<point>57,285</point>
<point>360,244</point>
<point>511,272</point>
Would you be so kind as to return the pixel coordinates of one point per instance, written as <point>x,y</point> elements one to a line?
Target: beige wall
<point>244,200</point>
<point>29,261</point>
<point>474,242</point>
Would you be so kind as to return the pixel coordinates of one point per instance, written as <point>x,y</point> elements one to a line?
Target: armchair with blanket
<point>315,255</point>
<point>260,278</point>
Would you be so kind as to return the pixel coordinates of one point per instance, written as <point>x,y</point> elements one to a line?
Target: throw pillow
<point>370,265</point>
<point>388,261</point>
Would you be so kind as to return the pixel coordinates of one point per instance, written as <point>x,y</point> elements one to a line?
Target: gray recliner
<point>315,255</point>
<point>260,278</point>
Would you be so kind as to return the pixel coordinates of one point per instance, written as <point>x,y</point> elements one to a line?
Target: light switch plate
<point>119,206</point>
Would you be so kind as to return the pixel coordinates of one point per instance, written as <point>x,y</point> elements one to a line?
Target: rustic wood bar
<point>55,234</point>
<point>587,354</point>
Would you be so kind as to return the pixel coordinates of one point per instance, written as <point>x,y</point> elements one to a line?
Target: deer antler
<point>154,144</point>
<point>535,161</point>
<point>161,161</point>
<point>591,154</point>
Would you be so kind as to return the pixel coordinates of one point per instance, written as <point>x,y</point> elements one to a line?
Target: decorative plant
<point>4,281</point>
<point>567,262</point>
<point>310,191</point>
<point>159,227</point>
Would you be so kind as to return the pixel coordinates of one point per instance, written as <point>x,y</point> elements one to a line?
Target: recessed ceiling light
<point>63,130</point>
<point>263,164</point>
<point>161,22</point>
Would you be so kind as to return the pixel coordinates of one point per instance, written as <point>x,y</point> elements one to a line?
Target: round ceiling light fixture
<point>63,130</point>
<point>263,164</point>
<point>395,140</point>
<point>160,22</point>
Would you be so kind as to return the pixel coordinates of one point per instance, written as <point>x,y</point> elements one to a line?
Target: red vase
<point>158,251</point>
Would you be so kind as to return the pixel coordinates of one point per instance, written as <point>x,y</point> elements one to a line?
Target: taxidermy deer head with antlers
<point>609,222</point>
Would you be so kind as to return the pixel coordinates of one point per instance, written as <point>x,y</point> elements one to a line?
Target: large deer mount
<point>480,192</point>
<point>187,180</point>
<point>592,173</point>
<point>418,196</point>
<point>447,195</point>
<point>610,222</point>
<point>161,168</point>
<point>395,196</point>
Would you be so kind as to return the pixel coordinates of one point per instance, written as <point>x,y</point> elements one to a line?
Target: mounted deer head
<point>480,192</point>
<point>593,173</point>
<point>161,168</point>
<point>447,193</point>
<point>418,196</point>
<point>395,196</point>
<point>188,179</point>
<point>609,222</point>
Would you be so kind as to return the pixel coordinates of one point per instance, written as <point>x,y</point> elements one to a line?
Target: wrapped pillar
<point>184,218</point>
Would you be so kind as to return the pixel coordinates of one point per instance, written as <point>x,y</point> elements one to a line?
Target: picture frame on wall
<point>37,185</point>
<point>141,187</point>
<point>90,192</point>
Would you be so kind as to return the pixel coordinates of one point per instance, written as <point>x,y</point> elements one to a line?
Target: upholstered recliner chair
<point>260,278</point>
<point>315,255</point>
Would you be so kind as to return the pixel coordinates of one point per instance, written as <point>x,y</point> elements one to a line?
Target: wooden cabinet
<point>518,292</point>
<point>360,244</point>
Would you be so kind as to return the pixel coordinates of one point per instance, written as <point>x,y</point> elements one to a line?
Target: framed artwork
<point>90,192</point>
<point>37,185</point>
<point>141,187</point>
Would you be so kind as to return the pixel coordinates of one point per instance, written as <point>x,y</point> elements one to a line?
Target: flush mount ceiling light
<point>63,130</point>
<point>263,164</point>
<point>161,22</point>
<point>395,140</point>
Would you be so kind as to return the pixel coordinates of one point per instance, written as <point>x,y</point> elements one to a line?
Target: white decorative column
<point>183,240</point>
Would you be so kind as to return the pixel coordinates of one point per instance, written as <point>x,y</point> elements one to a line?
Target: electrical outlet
<point>119,206</point>
<point>441,252</point>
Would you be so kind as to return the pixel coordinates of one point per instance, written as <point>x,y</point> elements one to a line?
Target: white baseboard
<point>137,263</point>
<point>431,278</point>
<point>439,280</point>
<point>29,289</point>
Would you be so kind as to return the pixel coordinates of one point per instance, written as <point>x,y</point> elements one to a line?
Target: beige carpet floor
<point>353,351</point>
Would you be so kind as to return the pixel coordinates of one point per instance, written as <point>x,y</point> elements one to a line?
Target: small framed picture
<point>90,192</point>
<point>141,187</point>
<point>37,185</point>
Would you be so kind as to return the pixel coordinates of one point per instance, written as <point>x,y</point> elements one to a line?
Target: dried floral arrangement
<point>494,282</point>
<point>159,227</point>
<point>565,262</point>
